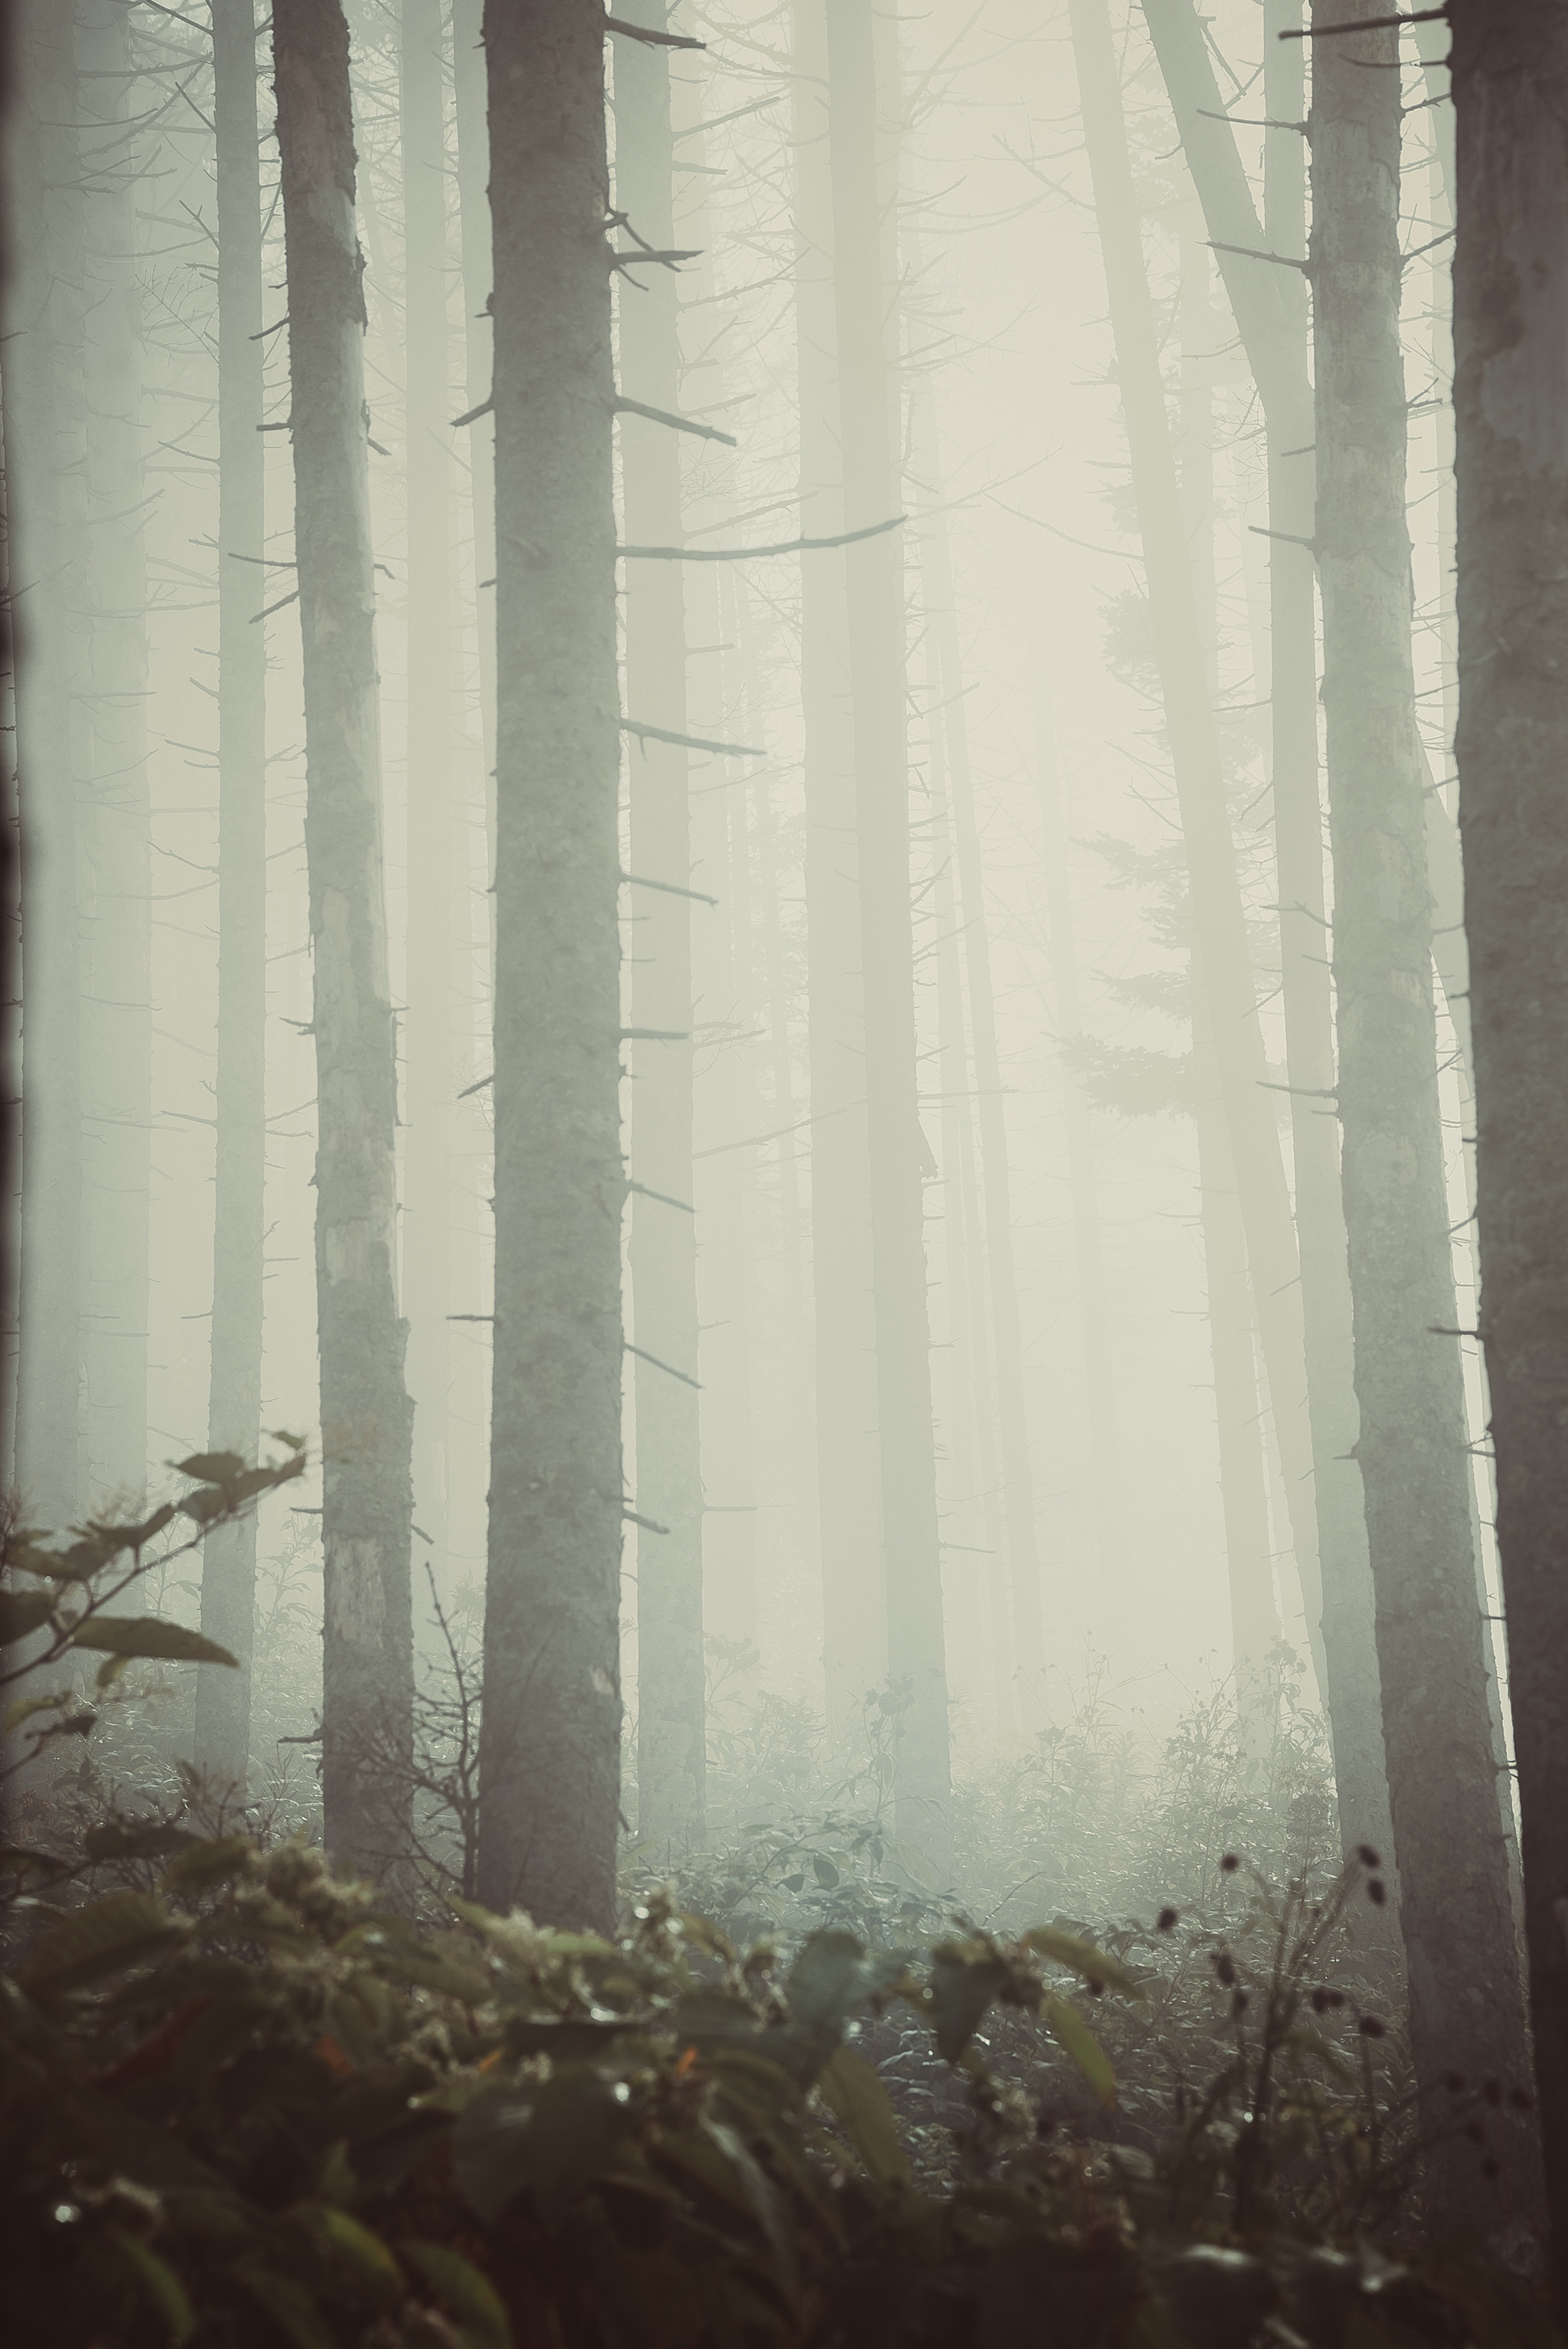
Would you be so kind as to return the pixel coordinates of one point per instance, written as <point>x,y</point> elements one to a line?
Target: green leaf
<point>794,1883</point>
<point>161,2280</point>
<point>288,2304</point>
<point>1072,2034</point>
<point>211,1467</point>
<point>1083,1958</point>
<point>27,1706</point>
<point>833,1979</point>
<point>110,1670</point>
<point>471,2296</point>
<point>858,2100</point>
<point>550,2139</point>
<point>207,1502</point>
<point>356,2246</point>
<point>826,1874</point>
<point>202,1865</point>
<point>148,1636</point>
<point>964,1979</point>
<point>120,1930</point>
<point>22,1611</point>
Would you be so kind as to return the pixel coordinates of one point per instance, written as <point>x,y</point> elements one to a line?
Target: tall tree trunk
<point>1510,67</point>
<point>1094,1306</point>
<point>45,480</point>
<point>550,1746</point>
<point>469,98</point>
<point>435,803</point>
<point>1244,1495</point>
<point>854,1613</point>
<point>671,1682</point>
<point>366,1419</point>
<point>234,1404</point>
<point>1467,2010</point>
<point>1222,959</point>
<point>896,1145</point>
<point>117,1009</point>
<point>1017,1472</point>
<point>1270,310</point>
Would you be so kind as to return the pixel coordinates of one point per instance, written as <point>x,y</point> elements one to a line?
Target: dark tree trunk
<point>434,806</point>
<point>551,1750</point>
<point>366,1419</point>
<point>45,477</point>
<point>1269,308</point>
<point>235,1405</point>
<point>1466,2007</point>
<point>1509,65</point>
<point>671,1680</point>
<point>896,1145</point>
<point>854,1613</point>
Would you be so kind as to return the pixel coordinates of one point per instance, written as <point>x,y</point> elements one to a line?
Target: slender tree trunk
<point>896,1146</point>
<point>474,226</point>
<point>46,479</point>
<point>671,1729</point>
<point>1017,1472</point>
<point>1509,68</point>
<point>1222,960</point>
<point>1467,2011</point>
<point>434,804</point>
<point>1270,310</point>
<point>1094,1304</point>
<point>854,1612</point>
<point>222,1737</point>
<point>117,1009</point>
<point>366,1417</point>
<point>550,1746</point>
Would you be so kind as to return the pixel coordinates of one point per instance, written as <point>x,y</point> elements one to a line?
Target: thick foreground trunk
<point>366,1419</point>
<point>550,1748</point>
<point>1510,401</point>
<point>1467,2010</point>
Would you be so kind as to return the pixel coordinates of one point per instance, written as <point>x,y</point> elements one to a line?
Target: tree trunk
<point>222,1738</point>
<point>1222,959</point>
<point>366,1419</point>
<point>116,1089</point>
<point>474,229</point>
<point>1017,1472</point>
<point>896,1145</point>
<point>435,802</point>
<point>1467,2009</point>
<point>671,1682</point>
<point>1510,67</point>
<point>550,1746</point>
<point>854,1612</point>
<point>1094,1306</point>
<point>45,475</point>
<point>1270,310</point>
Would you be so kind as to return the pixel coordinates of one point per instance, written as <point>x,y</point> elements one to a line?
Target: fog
<point>1123,1518</point>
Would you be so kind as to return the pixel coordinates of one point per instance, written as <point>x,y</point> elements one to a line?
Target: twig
<point>742,554</point>
<point>624,407</point>
<point>670,888</point>
<point>654,40</point>
<point>644,1356</point>
<point>1367,25</point>
<point>689,742</point>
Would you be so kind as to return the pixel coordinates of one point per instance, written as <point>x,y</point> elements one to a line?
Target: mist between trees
<point>740,847</point>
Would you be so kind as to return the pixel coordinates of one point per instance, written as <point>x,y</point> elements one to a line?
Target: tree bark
<point>896,1146</point>
<point>1509,68</point>
<point>854,1610</point>
<point>115,909</point>
<point>1271,315</point>
<point>671,1680</point>
<point>1467,2011</point>
<point>223,1736</point>
<point>366,1419</point>
<point>1221,958</point>
<point>45,516</point>
<point>550,1744</point>
<point>435,803</point>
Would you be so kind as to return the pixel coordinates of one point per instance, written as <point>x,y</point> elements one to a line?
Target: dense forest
<point>783,1400</point>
